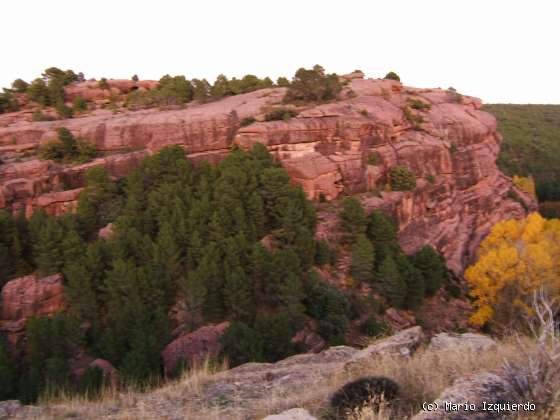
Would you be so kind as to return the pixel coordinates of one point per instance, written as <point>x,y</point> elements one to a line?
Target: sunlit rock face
<point>342,147</point>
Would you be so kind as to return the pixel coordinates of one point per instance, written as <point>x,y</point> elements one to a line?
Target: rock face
<point>403,343</point>
<point>291,414</point>
<point>25,297</point>
<point>10,408</point>
<point>194,348</point>
<point>347,146</point>
<point>476,389</point>
<point>468,341</point>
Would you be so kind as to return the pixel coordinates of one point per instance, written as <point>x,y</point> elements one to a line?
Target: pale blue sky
<point>498,50</point>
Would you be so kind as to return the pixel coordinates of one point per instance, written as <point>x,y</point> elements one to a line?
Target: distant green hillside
<point>531,144</point>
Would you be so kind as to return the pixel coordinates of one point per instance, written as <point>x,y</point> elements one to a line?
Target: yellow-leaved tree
<point>525,183</point>
<point>517,258</point>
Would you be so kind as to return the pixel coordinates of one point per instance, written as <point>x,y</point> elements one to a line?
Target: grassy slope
<point>531,143</point>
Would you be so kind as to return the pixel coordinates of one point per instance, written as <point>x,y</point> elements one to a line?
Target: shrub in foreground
<point>367,391</point>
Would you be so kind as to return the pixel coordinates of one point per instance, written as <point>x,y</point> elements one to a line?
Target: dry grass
<point>421,378</point>
<point>424,376</point>
<point>536,377</point>
<point>132,403</point>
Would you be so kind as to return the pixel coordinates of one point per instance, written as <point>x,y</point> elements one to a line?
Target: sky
<point>502,51</point>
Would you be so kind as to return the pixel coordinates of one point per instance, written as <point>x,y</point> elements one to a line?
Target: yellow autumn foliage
<point>515,259</point>
<point>525,183</point>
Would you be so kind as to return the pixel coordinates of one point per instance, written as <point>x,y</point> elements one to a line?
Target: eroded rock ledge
<point>346,146</point>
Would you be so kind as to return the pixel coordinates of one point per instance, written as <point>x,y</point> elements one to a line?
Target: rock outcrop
<point>467,341</point>
<point>402,344</point>
<point>291,414</point>
<point>479,390</point>
<point>346,146</point>
<point>193,348</point>
<point>306,381</point>
<point>25,297</point>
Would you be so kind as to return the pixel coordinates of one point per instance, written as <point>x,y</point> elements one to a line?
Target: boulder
<point>25,297</point>
<point>82,361</point>
<point>193,348</point>
<point>400,319</point>
<point>291,414</point>
<point>31,296</point>
<point>471,341</point>
<point>404,343</point>
<point>107,232</point>
<point>110,373</point>
<point>475,389</point>
<point>308,339</point>
<point>10,408</point>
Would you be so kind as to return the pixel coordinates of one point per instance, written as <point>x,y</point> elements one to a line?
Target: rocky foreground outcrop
<point>347,146</point>
<point>298,388</point>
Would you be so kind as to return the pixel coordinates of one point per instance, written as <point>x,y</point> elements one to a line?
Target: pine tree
<point>241,344</point>
<point>261,267</point>
<point>416,288</point>
<point>432,266</point>
<point>256,216</point>
<point>7,374</point>
<point>201,89</point>
<point>80,291</point>
<point>73,247</point>
<point>166,251</point>
<point>290,296</point>
<point>413,278</point>
<point>220,88</point>
<point>393,284</point>
<point>352,218</point>
<point>238,295</point>
<point>48,248</point>
<point>8,233</point>
<point>361,266</point>
<point>276,332</point>
<point>379,228</point>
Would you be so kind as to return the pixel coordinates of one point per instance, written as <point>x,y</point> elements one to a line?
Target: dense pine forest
<point>531,147</point>
<point>194,235</point>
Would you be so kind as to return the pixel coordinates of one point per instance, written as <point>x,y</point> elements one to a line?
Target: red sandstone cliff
<point>326,149</point>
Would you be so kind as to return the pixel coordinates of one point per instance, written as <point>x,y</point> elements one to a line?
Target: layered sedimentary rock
<point>25,297</point>
<point>347,146</point>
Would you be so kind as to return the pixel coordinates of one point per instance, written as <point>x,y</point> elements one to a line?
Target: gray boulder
<point>470,341</point>
<point>291,414</point>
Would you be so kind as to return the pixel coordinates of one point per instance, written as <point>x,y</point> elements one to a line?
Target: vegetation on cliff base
<point>174,239</point>
<point>517,258</point>
<point>377,258</point>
